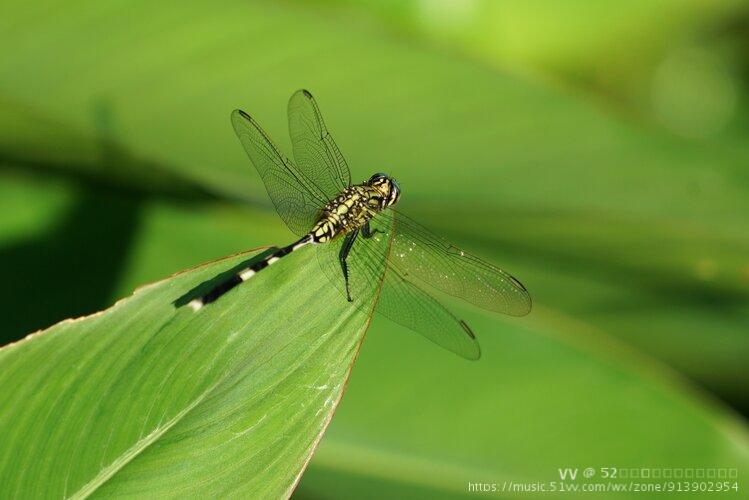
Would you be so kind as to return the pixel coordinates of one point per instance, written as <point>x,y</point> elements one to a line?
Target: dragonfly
<point>362,242</point>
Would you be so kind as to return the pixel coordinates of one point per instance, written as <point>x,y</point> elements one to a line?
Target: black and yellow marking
<point>248,273</point>
<point>347,212</point>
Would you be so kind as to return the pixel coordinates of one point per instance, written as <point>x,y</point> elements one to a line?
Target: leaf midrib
<point>142,444</point>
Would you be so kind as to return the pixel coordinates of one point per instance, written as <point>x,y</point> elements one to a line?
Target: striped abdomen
<point>248,273</point>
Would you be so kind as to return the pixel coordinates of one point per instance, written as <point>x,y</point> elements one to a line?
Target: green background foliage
<point>594,150</point>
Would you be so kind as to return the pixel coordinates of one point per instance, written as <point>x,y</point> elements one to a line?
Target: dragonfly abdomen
<point>248,273</point>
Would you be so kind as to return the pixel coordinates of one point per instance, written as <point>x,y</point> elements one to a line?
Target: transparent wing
<point>296,197</point>
<point>400,300</point>
<point>407,304</point>
<point>422,257</point>
<point>315,152</point>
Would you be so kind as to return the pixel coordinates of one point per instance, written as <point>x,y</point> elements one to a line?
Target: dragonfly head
<point>386,185</point>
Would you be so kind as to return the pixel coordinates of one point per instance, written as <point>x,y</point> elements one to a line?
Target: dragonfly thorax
<point>354,207</point>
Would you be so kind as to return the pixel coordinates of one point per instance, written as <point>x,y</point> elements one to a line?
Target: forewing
<point>296,197</point>
<point>422,257</point>
<point>315,152</point>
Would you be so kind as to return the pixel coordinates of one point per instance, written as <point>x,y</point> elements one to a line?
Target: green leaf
<point>147,397</point>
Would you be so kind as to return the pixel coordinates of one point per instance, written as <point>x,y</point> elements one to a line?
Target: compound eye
<point>395,195</point>
<point>378,177</point>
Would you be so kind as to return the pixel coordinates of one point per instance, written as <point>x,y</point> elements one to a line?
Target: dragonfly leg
<point>367,233</point>
<point>348,242</point>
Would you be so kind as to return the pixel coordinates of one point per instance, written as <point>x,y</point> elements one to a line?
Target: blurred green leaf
<point>637,57</point>
<point>548,393</point>
<point>147,399</point>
